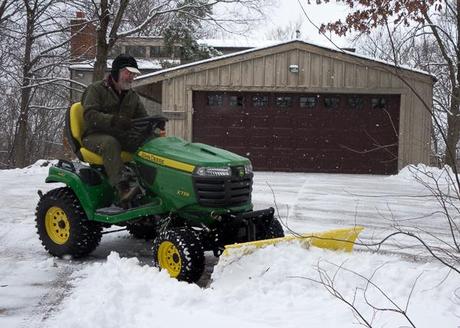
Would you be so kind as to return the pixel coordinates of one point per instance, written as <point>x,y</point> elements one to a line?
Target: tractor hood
<point>186,155</point>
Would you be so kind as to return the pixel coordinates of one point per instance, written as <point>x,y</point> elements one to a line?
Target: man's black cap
<point>124,61</point>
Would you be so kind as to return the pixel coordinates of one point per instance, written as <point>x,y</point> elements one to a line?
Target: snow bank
<point>121,293</point>
<point>428,176</point>
<point>41,163</point>
<point>38,168</point>
<point>425,172</point>
<point>273,287</point>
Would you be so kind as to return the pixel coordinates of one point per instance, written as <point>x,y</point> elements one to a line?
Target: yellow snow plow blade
<point>338,239</point>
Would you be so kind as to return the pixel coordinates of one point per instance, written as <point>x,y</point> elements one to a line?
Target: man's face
<point>125,79</point>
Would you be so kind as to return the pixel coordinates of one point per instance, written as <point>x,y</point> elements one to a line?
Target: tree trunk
<point>20,138</point>
<point>101,62</point>
<point>453,119</point>
<point>102,48</point>
<point>453,129</point>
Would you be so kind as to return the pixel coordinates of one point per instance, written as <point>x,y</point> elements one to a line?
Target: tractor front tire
<point>63,227</point>
<point>180,252</point>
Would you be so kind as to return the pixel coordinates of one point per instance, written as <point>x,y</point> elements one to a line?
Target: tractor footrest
<point>111,210</point>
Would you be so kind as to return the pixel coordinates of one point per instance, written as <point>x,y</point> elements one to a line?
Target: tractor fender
<point>90,197</point>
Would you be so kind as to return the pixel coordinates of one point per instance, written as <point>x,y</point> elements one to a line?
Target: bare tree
<point>112,24</point>
<point>7,10</point>
<point>414,48</point>
<point>34,75</point>
<point>330,273</point>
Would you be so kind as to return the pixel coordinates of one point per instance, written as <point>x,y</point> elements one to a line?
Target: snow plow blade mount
<point>337,239</point>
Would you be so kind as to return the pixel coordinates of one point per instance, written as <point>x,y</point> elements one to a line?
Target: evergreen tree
<point>184,30</point>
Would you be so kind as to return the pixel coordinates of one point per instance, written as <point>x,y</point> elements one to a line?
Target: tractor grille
<point>223,191</point>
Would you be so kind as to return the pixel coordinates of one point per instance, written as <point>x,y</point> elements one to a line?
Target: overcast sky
<point>284,12</point>
<point>290,11</point>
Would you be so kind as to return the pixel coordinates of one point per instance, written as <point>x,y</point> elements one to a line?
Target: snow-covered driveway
<point>316,202</point>
<point>270,288</point>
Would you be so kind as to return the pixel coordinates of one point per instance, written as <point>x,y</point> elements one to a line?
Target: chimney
<point>83,41</point>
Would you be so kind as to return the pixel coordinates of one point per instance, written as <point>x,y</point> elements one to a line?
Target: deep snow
<point>273,287</point>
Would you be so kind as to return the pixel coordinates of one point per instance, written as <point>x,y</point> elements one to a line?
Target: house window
<point>158,52</point>
<point>307,102</point>
<point>331,102</point>
<point>215,100</point>
<point>136,51</point>
<point>378,103</point>
<point>260,101</point>
<point>164,52</point>
<point>235,101</point>
<point>283,102</point>
<point>355,102</point>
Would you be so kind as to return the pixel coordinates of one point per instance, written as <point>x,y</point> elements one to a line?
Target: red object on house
<point>83,42</point>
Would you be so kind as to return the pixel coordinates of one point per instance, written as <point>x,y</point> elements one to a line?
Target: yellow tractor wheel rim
<point>169,258</point>
<point>57,225</point>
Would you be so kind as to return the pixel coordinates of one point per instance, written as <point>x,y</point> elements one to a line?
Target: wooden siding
<point>320,71</point>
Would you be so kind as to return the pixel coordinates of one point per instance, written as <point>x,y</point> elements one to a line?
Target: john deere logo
<point>183,193</point>
<point>241,172</point>
<point>166,162</point>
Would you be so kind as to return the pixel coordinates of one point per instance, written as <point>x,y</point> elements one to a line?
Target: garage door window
<point>235,101</point>
<point>260,101</point>
<point>283,102</point>
<point>355,102</point>
<point>378,103</point>
<point>215,100</point>
<point>331,102</point>
<point>307,102</point>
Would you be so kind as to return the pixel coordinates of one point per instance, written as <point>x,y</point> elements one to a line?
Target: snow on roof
<point>143,64</point>
<point>218,43</point>
<point>234,54</point>
<point>237,43</point>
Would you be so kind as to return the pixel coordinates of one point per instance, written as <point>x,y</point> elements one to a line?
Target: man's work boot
<point>126,192</point>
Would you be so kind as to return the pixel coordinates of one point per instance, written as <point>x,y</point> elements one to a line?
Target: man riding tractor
<point>109,107</point>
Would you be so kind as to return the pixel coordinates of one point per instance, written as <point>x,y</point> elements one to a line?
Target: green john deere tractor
<point>193,198</point>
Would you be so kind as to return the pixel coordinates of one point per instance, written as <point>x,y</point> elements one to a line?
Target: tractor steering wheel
<point>148,126</point>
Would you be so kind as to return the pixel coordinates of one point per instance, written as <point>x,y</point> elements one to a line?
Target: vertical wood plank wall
<point>320,70</point>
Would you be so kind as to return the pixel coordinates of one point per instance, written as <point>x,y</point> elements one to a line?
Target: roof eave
<point>178,70</point>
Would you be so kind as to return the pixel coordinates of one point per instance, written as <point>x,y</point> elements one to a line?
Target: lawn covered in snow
<point>282,286</point>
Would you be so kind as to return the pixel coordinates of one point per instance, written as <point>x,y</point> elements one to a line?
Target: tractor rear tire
<point>181,253</point>
<point>63,227</point>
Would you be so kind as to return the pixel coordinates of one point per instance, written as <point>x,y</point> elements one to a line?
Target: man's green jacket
<point>101,103</point>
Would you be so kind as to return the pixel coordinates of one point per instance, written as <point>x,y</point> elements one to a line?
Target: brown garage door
<point>343,133</point>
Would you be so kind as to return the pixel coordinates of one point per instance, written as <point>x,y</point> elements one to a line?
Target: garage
<point>301,132</point>
<point>299,107</point>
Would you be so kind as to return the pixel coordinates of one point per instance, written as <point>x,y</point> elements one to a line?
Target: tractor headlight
<point>248,168</point>
<point>213,171</point>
